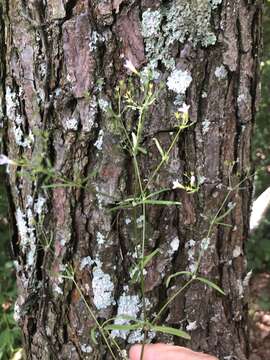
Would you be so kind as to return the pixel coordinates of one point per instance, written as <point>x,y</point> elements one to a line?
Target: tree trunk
<point>61,61</point>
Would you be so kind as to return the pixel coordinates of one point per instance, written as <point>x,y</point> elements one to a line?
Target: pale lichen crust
<point>177,21</point>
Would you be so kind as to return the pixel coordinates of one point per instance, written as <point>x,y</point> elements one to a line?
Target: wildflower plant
<point>129,119</point>
<point>129,116</point>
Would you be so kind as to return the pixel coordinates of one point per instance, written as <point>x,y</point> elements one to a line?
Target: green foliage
<point>258,247</point>
<point>10,336</point>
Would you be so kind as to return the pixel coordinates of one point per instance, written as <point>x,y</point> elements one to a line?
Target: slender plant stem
<point>142,277</point>
<point>171,299</point>
<point>94,318</point>
<point>213,221</point>
<point>164,159</point>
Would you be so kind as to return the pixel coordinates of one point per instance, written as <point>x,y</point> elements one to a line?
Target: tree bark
<point>61,61</point>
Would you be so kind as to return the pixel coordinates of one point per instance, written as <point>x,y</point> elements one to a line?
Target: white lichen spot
<point>127,221</point>
<point>98,144</point>
<point>12,110</point>
<point>31,256</point>
<point>240,288</point>
<point>71,124</point>
<point>190,246</point>
<point>151,21</point>
<point>214,3</point>
<point>174,245</point>
<point>103,104</point>
<point>237,251</point>
<point>100,238</point>
<point>26,232</point>
<point>58,92</point>
<point>179,81</point>
<point>136,336</point>
<point>139,221</point>
<point>128,305</point>
<point>149,72</point>
<point>86,348</point>
<point>231,205</point>
<point>102,288</point>
<point>192,326</point>
<point>39,204</point>
<point>86,262</point>
<point>29,200</point>
<point>201,179</point>
<point>205,243</point>
<point>205,126</point>
<point>43,69</point>
<point>57,289</point>
<point>221,72</point>
<point>241,99</point>
<point>17,312</point>
<point>204,94</point>
<point>95,39</point>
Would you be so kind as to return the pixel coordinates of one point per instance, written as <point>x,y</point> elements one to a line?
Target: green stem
<point>142,277</point>
<point>171,299</point>
<point>213,221</point>
<point>94,318</point>
<point>164,159</point>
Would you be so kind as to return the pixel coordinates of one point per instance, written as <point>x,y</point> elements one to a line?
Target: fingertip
<point>134,352</point>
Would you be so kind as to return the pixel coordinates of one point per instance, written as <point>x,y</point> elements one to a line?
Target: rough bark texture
<point>60,62</point>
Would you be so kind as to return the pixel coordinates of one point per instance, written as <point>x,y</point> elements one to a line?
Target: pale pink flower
<point>4,160</point>
<point>177,185</point>
<point>184,108</point>
<point>128,65</point>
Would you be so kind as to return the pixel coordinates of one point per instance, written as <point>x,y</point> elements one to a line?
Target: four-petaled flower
<point>184,108</point>
<point>128,64</point>
<point>177,185</point>
<point>4,160</point>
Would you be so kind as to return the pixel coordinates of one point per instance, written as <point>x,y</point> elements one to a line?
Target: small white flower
<point>177,185</point>
<point>4,160</point>
<point>184,108</point>
<point>128,65</point>
<point>192,180</point>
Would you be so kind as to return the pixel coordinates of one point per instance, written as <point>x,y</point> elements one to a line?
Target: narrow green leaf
<point>157,192</point>
<point>211,284</point>
<point>223,224</point>
<point>123,327</point>
<point>149,257</point>
<point>159,147</point>
<point>177,274</point>
<point>124,316</point>
<point>93,335</point>
<point>224,215</point>
<point>170,331</point>
<point>134,140</point>
<point>161,202</point>
<point>127,317</point>
<point>142,150</point>
<point>120,207</point>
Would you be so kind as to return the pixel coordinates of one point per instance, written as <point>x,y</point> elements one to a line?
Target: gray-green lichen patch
<point>179,81</point>
<point>177,21</point>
